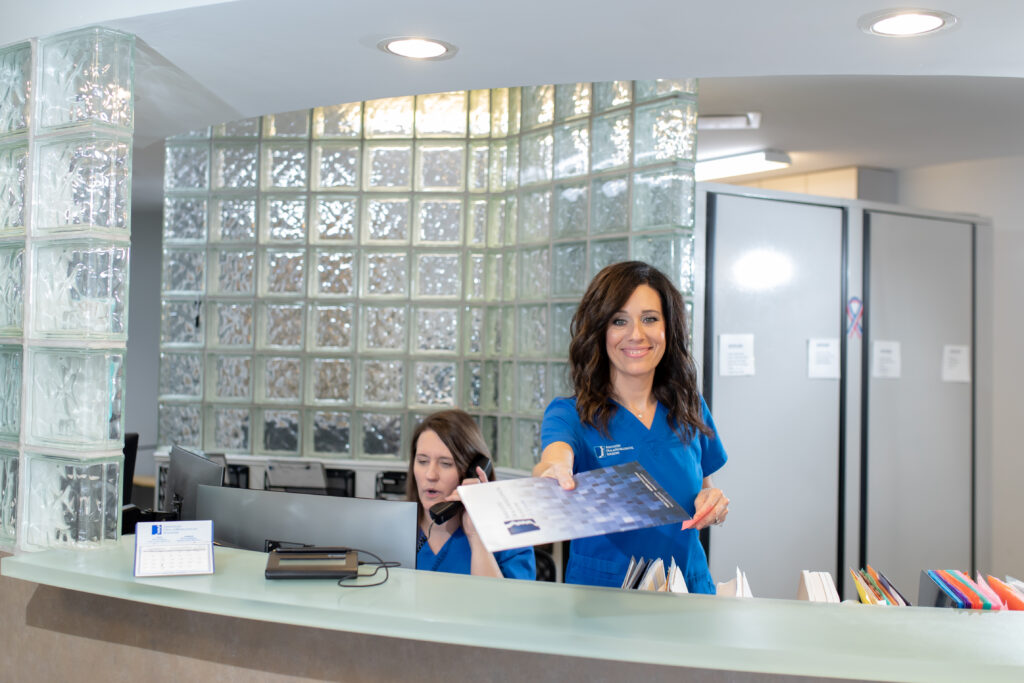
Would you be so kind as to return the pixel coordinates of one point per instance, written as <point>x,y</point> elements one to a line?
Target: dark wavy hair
<point>459,433</point>
<point>675,377</point>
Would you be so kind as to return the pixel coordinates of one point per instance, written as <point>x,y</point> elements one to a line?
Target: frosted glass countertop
<point>760,635</point>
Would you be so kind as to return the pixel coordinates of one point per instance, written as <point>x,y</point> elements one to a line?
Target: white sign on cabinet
<point>823,358</point>
<point>956,363</point>
<point>736,355</point>
<point>885,360</point>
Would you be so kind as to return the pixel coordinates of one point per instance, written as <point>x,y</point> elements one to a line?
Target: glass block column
<point>66,121</point>
<point>15,85</point>
<point>332,275</point>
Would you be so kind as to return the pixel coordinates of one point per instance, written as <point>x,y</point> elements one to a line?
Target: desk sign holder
<point>173,548</point>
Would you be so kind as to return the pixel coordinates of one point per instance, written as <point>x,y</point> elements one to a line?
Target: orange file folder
<point>1012,598</point>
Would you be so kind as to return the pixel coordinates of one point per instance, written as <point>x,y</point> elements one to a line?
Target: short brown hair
<point>459,433</point>
<point>675,377</point>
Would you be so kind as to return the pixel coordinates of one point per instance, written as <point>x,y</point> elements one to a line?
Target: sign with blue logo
<point>173,548</point>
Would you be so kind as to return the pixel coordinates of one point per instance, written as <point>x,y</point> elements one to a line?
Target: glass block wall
<point>330,275</point>
<point>66,121</point>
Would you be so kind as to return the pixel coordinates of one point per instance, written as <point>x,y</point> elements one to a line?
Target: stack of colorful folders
<point>874,589</point>
<point>954,588</point>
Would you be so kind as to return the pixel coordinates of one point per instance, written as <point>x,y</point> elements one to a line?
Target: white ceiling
<point>830,95</point>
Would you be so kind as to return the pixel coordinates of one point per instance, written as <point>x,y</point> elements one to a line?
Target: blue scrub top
<point>679,467</point>
<point>455,557</point>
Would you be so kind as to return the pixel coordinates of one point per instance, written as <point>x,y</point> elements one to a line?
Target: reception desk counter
<point>487,627</point>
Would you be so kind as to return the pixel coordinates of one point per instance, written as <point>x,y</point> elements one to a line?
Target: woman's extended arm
<point>556,462</point>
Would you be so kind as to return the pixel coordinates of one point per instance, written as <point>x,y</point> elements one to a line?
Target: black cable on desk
<point>379,564</point>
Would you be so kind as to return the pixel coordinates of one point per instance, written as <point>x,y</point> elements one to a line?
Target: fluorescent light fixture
<point>905,23</point>
<point>749,121</point>
<point>741,164</point>
<point>418,48</point>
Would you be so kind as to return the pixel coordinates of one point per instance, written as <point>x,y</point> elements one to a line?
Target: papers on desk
<point>650,575</point>
<point>520,512</point>
<point>737,587</point>
<point>675,580</point>
<point>817,587</point>
<point>1015,583</point>
<point>173,548</point>
<point>939,587</point>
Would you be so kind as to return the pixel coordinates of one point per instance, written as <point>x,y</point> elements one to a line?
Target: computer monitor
<point>186,471</point>
<point>258,520</point>
<point>221,460</point>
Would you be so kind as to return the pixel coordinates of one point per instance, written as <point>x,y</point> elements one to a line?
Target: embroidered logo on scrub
<point>610,451</point>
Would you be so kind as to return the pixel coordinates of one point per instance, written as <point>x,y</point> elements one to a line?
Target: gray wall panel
<point>780,428</point>
<point>142,364</point>
<point>919,428</point>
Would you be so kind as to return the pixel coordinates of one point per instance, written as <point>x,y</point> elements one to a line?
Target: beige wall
<point>852,182</point>
<point>993,188</point>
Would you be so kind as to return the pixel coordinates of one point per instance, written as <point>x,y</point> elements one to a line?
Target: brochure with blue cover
<point>520,512</point>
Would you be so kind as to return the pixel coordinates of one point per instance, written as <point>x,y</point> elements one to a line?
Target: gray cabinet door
<point>775,271</point>
<point>919,454</point>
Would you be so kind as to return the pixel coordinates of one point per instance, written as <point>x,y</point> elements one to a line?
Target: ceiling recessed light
<point>418,48</point>
<point>904,23</point>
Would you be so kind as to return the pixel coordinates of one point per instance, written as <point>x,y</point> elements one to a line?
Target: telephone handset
<point>442,512</point>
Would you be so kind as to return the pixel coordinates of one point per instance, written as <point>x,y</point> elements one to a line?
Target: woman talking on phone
<point>636,399</point>
<point>448,450</point>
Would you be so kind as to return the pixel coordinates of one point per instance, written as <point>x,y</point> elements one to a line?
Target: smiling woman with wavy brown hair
<point>675,377</point>
<point>636,400</point>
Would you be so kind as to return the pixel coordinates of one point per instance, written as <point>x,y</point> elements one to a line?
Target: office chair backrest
<point>296,477</point>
